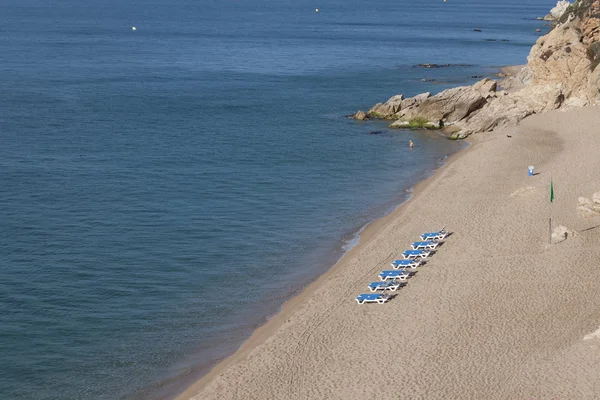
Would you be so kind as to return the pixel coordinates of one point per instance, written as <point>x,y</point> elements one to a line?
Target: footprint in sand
<point>524,191</point>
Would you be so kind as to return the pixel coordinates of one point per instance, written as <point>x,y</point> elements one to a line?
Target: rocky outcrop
<point>561,72</point>
<point>509,109</point>
<point>451,105</point>
<point>559,10</point>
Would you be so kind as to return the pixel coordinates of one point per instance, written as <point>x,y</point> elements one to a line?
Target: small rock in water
<point>360,116</point>
<point>538,30</point>
<point>477,30</point>
<point>490,40</point>
<point>505,40</point>
<point>476,76</point>
<point>375,132</point>
<point>442,65</point>
<point>433,65</point>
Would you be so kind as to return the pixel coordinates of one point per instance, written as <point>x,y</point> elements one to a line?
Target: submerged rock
<point>442,65</point>
<point>433,65</point>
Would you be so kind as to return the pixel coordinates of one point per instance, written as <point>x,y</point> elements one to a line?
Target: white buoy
<point>133,28</point>
<point>316,10</point>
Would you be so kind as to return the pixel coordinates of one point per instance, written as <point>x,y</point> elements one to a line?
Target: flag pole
<point>550,218</point>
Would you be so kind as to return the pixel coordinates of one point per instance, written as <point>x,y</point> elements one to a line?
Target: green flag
<point>551,191</point>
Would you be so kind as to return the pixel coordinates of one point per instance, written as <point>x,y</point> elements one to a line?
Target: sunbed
<point>384,285</point>
<point>394,274</point>
<point>439,235</point>
<point>401,264</point>
<point>372,298</point>
<point>411,254</point>
<point>429,245</point>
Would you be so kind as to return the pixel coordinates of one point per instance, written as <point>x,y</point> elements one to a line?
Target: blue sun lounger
<point>379,298</point>
<point>439,235</point>
<point>394,274</point>
<point>411,254</point>
<point>401,264</point>
<point>429,244</point>
<point>384,285</point>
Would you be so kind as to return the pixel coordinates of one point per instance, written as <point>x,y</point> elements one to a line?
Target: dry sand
<point>497,313</point>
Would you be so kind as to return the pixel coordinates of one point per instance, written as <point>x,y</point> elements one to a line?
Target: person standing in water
<point>411,144</point>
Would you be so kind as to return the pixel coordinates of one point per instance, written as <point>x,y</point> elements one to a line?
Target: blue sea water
<point>165,190</point>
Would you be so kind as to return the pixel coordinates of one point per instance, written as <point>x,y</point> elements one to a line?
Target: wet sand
<point>496,313</point>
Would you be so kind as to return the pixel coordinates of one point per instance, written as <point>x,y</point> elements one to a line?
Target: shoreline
<point>272,323</point>
<point>471,311</point>
<point>176,386</point>
<point>264,330</point>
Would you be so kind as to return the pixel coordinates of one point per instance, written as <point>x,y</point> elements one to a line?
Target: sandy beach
<point>496,313</point>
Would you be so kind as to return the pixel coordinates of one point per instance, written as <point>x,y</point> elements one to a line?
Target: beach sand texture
<point>495,314</point>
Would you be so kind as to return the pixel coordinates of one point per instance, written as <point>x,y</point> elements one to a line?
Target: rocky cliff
<point>561,72</point>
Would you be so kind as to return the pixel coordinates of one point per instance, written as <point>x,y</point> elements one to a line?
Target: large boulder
<point>452,105</point>
<point>360,116</point>
<point>387,109</point>
<point>413,101</point>
<point>511,108</point>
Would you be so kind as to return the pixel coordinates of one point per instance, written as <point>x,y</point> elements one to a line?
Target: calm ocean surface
<point>163,191</point>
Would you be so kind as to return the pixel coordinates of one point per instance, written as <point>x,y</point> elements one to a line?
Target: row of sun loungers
<point>394,279</point>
